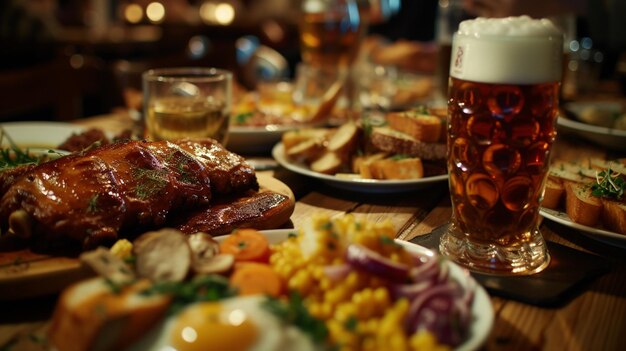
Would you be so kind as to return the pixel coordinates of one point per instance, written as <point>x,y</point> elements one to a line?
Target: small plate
<point>602,235</point>
<point>482,310</point>
<point>255,140</point>
<point>361,185</point>
<point>39,134</point>
<point>609,137</point>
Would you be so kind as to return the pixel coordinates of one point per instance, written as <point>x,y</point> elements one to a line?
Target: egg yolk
<point>208,326</point>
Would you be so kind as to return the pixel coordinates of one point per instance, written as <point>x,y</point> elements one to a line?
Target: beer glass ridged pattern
<point>502,109</point>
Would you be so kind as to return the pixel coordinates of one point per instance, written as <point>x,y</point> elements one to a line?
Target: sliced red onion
<point>361,257</point>
<point>410,291</point>
<point>428,270</point>
<point>442,311</point>
<point>337,272</point>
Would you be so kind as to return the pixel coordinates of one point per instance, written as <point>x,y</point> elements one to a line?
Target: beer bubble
<point>481,191</point>
<point>517,193</point>
<point>501,160</point>
<point>464,154</point>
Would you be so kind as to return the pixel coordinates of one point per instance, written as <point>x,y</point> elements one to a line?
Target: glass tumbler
<point>190,102</point>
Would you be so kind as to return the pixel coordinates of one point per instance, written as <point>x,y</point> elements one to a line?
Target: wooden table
<point>595,319</point>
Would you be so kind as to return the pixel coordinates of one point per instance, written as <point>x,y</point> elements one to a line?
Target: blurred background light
<point>155,12</point>
<point>224,13</point>
<point>133,13</point>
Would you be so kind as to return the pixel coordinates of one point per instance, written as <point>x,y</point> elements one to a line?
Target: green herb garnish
<point>609,184</point>
<point>202,288</point>
<point>295,313</point>
<point>243,117</point>
<point>398,157</point>
<point>149,181</point>
<point>92,206</point>
<point>388,241</point>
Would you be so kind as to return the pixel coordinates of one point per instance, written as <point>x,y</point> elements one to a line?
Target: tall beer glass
<point>502,110</point>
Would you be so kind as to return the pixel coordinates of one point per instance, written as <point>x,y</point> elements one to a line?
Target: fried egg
<point>235,324</point>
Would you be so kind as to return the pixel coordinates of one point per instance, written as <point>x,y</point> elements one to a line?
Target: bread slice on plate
<point>553,193</point>
<point>581,206</point>
<point>390,140</point>
<point>614,215</point>
<point>422,127</point>
<point>408,168</point>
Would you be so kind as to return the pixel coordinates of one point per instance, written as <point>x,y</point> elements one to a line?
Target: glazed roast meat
<point>120,189</point>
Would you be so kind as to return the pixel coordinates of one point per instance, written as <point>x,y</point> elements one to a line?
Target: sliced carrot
<point>256,278</point>
<point>247,245</point>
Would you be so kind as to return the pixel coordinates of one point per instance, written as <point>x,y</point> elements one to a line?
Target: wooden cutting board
<point>25,274</point>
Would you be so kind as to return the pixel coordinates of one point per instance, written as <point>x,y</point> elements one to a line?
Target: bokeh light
<point>133,13</point>
<point>155,12</point>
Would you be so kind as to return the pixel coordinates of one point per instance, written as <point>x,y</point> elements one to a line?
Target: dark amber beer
<point>502,110</point>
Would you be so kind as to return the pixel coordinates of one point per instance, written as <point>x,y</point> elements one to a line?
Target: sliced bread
<point>390,140</point>
<point>426,128</point>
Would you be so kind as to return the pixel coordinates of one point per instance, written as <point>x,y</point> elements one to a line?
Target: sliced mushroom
<point>109,266</point>
<point>21,224</point>
<point>203,246</point>
<point>162,255</point>
<point>221,263</point>
<point>205,257</point>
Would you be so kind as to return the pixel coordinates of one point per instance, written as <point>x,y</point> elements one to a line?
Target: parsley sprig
<point>609,184</point>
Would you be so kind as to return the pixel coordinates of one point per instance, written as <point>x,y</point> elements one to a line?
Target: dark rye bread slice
<point>393,141</point>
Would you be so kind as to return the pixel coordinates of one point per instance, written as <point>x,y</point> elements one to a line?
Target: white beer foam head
<point>515,50</point>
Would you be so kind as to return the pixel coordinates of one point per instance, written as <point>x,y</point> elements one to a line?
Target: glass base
<point>527,258</point>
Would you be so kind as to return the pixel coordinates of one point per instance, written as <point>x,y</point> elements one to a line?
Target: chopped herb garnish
<point>243,117</point>
<point>609,184</point>
<point>149,181</point>
<point>295,313</point>
<point>242,244</point>
<point>14,156</point>
<point>113,286</point>
<point>399,157</point>
<point>326,226</point>
<point>92,206</point>
<point>292,235</point>
<point>385,240</point>
<point>351,323</point>
<point>201,288</point>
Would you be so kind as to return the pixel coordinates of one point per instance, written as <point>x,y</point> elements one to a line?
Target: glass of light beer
<point>188,102</point>
<point>502,110</point>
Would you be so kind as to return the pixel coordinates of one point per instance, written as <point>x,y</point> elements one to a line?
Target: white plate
<point>608,137</point>
<point>39,134</point>
<point>362,185</point>
<point>605,236</point>
<point>482,310</point>
<point>255,140</point>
